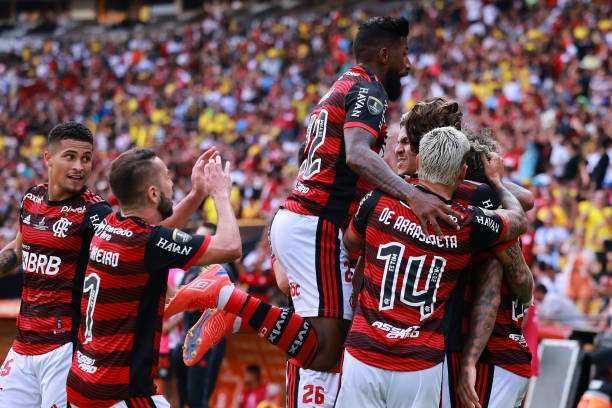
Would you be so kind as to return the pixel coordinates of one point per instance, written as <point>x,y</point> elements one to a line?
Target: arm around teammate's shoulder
<point>524,196</point>
<point>225,245</point>
<point>512,210</point>
<point>366,163</point>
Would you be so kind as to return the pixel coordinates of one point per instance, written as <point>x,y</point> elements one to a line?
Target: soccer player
<point>486,282</point>
<point>397,335</point>
<point>495,354</point>
<point>295,335</point>
<point>125,283</point>
<point>343,161</point>
<point>56,223</point>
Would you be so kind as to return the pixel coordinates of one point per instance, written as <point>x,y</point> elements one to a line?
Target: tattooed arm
<point>512,211</point>
<point>487,283</point>
<point>517,273</point>
<point>524,196</point>
<point>10,256</point>
<point>365,162</point>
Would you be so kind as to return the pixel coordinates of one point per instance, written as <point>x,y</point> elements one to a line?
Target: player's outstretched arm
<point>524,196</point>
<point>10,256</point>
<point>512,211</point>
<point>487,284</point>
<point>192,201</point>
<point>225,246</point>
<point>369,165</point>
<point>517,273</point>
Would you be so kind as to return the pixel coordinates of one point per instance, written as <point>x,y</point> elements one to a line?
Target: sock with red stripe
<point>280,327</point>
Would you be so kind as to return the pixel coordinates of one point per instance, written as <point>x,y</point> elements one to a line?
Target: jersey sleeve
<point>94,216</point>
<point>21,207</point>
<point>365,104</point>
<point>366,206</point>
<point>485,197</point>
<point>172,248</point>
<point>487,229</point>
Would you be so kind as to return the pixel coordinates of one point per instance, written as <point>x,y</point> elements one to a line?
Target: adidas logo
<point>202,285</point>
<point>26,220</point>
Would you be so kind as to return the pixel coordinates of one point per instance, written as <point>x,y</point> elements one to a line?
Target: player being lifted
<point>343,161</point>
<point>56,223</point>
<point>125,282</point>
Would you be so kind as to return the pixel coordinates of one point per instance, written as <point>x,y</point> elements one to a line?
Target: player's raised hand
<point>493,167</point>
<point>217,178</point>
<point>198,184</point>
<point>466,387</point>
<point>429,209</point>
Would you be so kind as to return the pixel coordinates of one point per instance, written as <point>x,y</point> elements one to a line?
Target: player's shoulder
<point>90,198</point>
<point>374,197</point>
<point>127,226</point>
<point>466,189</point>
<point>356,73</point>
<point>37,190</point>
<point>357,77</point>
<point>470,184</point>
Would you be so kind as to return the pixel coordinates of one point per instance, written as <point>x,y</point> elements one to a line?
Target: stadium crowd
<point>536,74</point>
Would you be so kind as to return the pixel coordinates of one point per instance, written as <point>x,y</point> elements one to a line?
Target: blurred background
<point>179,76</point>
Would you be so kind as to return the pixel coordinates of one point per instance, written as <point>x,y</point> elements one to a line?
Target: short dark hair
<point>429,114</point>
<point>541,288</point>
<point>254,369</point>
<point>480,142</point>
<point>131,173</point>
<point>70,130</point>
<point>379,32</point>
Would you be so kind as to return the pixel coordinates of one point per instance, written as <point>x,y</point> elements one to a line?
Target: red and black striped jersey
<point>507,347</point>
<point>55,242</point>
<point>459,305</point>
<point>408,277</point>
<point>326,186</point>
<point>122,306</point>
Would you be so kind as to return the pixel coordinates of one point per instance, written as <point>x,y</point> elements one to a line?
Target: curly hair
<point>429,114</point>
<point>480,142</point>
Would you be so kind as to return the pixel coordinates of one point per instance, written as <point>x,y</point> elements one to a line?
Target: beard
<point>165,206</point>
<point>393,85</point>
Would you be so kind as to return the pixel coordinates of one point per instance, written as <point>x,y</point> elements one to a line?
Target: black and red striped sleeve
<point>365,104</point>
<point>484,197</point>
<point>94,216</point>
<point>487,229</point>
<point>362,216</point>
<point>172,248</point>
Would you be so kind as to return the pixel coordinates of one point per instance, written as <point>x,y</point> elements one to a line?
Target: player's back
<point>124,291</point>
<point>326,186</point>
<point>55,237</point>
<point>408,278</point>
<point>122,306</point>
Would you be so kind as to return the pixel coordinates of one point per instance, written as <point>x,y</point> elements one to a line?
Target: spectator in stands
<point>556,308</point>
<point>256,271</point>
<point>255,391</point>
<point>548,240</point>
